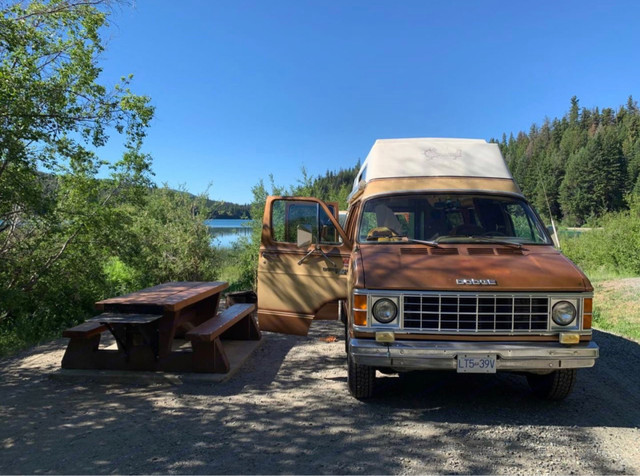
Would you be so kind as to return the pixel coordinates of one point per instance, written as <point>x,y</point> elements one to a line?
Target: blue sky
<point>244,89</point>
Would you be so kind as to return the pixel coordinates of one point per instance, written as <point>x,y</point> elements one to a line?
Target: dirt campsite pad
<point>288,411</point>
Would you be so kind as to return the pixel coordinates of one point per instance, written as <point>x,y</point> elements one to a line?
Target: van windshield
<point>450,218</point>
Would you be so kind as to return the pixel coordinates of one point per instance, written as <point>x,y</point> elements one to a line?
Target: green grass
<point>605,273</point>
<point>617,307</point>
<point>230,272</point>
<point>26,331</point>
<point>232,267</point>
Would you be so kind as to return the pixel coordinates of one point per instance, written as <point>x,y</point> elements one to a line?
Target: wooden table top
<point>171,296</point>
<point>129,318</point>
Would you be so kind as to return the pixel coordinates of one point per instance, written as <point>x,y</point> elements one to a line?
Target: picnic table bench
<point>148,324</point>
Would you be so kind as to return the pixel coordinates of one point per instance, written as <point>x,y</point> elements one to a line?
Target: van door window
<point>287,217</point>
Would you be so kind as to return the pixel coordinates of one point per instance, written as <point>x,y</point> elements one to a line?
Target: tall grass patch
<point>611,250</point>
<point>616,307</point>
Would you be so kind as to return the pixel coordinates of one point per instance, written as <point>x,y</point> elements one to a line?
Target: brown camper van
<point>441,264</point>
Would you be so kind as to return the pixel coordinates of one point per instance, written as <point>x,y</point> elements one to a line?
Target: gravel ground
<point>288,411</point>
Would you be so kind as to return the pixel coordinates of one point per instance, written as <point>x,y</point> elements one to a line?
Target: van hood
<point>418,267</point>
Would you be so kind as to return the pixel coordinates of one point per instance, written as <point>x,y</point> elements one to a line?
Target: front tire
<point>361,379</point>
<point>554,386</point>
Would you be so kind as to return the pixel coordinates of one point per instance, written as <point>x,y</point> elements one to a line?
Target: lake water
<point>227,230</point>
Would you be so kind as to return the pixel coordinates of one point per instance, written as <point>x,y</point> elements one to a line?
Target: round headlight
<point>563,313</point>
<point>385,310</point>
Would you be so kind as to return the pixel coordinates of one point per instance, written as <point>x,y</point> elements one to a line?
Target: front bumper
<point>432,355</point>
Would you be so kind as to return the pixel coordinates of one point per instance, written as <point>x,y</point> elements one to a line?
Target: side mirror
<point>304,236</point>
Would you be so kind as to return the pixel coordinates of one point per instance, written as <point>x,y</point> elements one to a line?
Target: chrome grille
<point>475,313</point>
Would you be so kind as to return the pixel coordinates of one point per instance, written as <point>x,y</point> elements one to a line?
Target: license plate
<point>479,364</point>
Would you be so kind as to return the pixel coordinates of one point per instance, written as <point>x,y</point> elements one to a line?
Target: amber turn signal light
<point>588,305</point>
<point>569,338</point>
<point>360,310</point>
<point>385,337</point>
<point>587,314</point>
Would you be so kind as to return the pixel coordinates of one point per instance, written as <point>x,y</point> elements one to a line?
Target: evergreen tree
<point>587,161</point>
<point>574,112</point>
<point>595,178</point>
<point>576,197</point>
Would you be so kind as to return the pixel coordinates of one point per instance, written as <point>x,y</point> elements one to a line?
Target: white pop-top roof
<point>429,157</point>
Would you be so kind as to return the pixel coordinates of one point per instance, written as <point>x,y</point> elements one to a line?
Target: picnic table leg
<point>80,352</point>
<point>245,329</point>
<point>209,357</point>
<point>166,333</point>
<point>207,308</point>
<point>194,315</point>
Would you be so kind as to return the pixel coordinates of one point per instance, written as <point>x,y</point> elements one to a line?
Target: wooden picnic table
<point>186,304</point>
<point>146,324</point>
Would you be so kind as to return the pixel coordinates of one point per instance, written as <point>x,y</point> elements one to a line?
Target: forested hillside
<point>222,209</point>
<point>333,186</point>
<point>588,161</point>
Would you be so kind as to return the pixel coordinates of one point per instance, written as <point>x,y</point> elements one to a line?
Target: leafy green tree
<point>53,116</point>
<point>246,251</point>
<point>168,240</point>
<point>58,221</point>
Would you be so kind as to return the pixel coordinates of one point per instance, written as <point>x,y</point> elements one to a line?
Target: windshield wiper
<point>488,239</point>
<point>433,244</point>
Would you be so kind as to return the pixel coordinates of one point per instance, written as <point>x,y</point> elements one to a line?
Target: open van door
<point>303,263</point>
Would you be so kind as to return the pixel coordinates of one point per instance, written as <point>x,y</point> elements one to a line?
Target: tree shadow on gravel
<point>605,395</point>
<point>289,411</point>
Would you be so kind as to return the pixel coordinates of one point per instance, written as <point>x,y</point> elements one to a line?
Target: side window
<point>289,216</point>
<point>369,222</point>
<point>522,227</point>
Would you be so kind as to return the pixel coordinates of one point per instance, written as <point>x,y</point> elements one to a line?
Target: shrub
<point>611,249</point>
<point>160,236</point>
